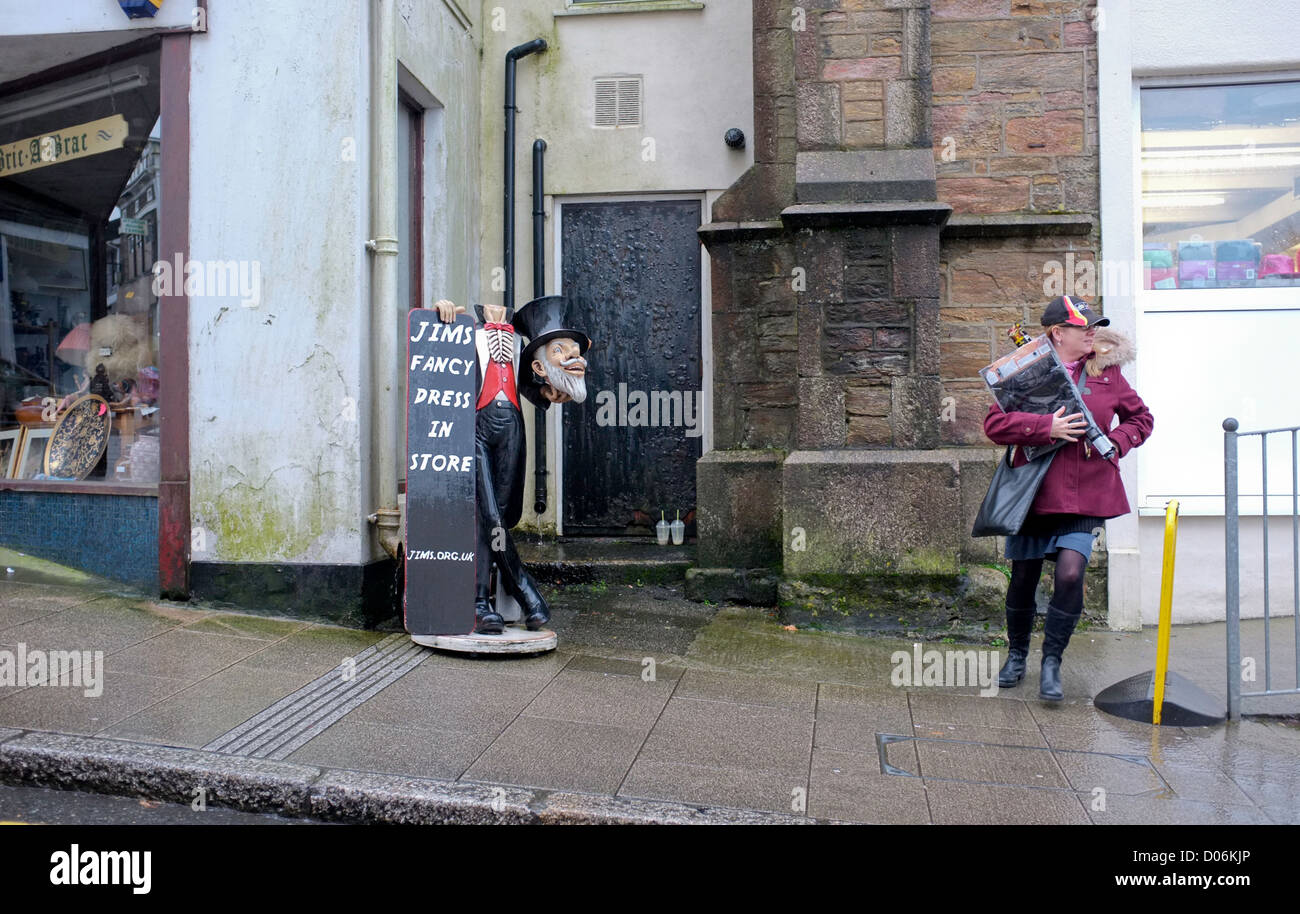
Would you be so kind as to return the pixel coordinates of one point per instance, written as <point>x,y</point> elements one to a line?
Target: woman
<point>1080,490</point>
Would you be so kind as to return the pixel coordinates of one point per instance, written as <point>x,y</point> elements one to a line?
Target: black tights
<point>1068,597</point>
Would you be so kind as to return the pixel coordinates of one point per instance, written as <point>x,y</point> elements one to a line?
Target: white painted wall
<point>280,176</point>
<point>1143,40</point>
<point>697,69</point>
<point>18,18</point>
<point>1199,569</point>
<point>1211,36</point>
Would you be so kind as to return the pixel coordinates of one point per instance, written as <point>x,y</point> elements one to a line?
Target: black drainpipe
<point>508,249</point>
<point>539,289</point>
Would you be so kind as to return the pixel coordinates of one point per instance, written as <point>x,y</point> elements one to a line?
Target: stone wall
<point>755,382</point>
<point>1015,105</point>
<point>1014,134</point>
<point>917,165</point>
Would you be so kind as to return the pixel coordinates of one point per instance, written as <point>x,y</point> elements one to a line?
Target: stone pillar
<point>826,291</point>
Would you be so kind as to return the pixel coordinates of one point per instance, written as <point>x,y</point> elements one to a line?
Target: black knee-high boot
<point>1020,622</point>
<point>1057,630</point>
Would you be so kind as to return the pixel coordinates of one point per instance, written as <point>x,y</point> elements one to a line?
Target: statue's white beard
<point>573,385</point>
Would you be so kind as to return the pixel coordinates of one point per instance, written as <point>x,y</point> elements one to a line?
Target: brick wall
<point>755,381</point>
<point>858,66</point>
<point>1015,105</point>
<point>1014,132</point>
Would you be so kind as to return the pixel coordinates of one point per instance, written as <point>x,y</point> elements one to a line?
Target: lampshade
<point>75,345</point>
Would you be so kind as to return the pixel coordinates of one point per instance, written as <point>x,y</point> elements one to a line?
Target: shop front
<point>83,213</point>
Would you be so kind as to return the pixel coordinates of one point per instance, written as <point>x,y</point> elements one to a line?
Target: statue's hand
<point>448,310</point>
<point>554,395</point>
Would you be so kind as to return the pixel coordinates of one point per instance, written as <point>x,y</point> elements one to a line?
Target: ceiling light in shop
<point>73,94</point>
<point>1235,158</point>
<point>1167,201</point>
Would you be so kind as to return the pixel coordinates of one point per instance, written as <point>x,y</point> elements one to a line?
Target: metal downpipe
<point>385,310</point>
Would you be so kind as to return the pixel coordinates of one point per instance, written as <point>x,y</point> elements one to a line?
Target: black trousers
<point>501,451</point>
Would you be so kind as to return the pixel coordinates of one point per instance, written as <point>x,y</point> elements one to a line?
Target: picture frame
<point>31,456</point>
<point>11,443</point>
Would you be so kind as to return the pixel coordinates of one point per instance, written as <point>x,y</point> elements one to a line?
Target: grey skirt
<point>1043,535</point>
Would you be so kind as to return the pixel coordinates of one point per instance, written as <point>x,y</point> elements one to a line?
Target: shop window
<point>79,187</point>
<point>1221,186</point>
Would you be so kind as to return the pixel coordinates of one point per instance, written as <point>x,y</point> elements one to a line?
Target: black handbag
<point>1010,494</point>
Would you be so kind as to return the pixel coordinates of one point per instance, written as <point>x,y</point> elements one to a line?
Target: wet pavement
<point>651,698</point>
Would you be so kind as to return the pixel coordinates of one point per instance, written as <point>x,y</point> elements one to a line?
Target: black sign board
<point>441,511</point>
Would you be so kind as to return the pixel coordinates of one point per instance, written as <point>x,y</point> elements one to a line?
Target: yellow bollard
<point>1166,610</point>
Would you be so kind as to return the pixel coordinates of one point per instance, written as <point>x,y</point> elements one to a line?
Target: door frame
<point>555,427</point>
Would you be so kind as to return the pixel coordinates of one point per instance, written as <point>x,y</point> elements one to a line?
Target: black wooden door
<point>631,273</point>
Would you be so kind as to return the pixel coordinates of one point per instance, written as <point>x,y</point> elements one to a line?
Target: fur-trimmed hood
<point>1112,348</point>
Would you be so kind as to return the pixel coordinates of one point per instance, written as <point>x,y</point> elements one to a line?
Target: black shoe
<point>1049,680</point>
<point>1020,622</point>
<point>537,616</point>
<point>486,620</point>
<point>1013,670</point>
<point>1057,629</point>
<point>536,612</point>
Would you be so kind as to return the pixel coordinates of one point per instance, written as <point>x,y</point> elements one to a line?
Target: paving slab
<point>1170,743</point>
<point>973,734</point>
<point>939,708</point>
<point>106,624</point>
<point>850,787</point>
<point>1116,774</point>
<point>666,667</point>
<point>1202,782</point>
<point>259,628</point>
<point>315,649</point>
<point>726,735</point>
<point>849,728</point>
<point>708,785</point>
<point>583,696</point>
<point>559,755</point>
<point>848,716</point>
<point>181,654</point>
<point>772,691</point>
<point>368,746</point>
<point>66,709</point>
<point>451,698</point>
<point>1009,766</point>
<point>204,710</point>
<point>22,602</point>
<point>954,803</point>
<point>1127,810</point>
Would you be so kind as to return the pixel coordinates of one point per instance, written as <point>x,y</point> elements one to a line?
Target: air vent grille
<point>618,101</point>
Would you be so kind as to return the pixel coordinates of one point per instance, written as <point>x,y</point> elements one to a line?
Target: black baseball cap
<point>1074,311</point>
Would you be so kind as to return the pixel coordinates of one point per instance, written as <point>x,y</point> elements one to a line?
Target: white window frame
<point>1203,301</point>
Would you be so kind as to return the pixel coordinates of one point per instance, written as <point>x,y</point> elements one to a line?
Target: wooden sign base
<point>514,640</point>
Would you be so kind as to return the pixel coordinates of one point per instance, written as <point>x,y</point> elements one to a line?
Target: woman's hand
<point>1068,428</point>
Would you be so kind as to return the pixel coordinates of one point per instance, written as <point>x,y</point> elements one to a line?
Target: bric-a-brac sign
<point>75,142</point>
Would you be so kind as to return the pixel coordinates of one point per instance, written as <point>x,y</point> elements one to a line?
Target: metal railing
<point>1232,534</point>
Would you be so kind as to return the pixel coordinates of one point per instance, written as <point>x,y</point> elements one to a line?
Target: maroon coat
<point>1078,483</point>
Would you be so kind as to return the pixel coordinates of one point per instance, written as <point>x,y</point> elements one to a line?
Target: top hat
<point>1074,311</point>
<point>542,320</point>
